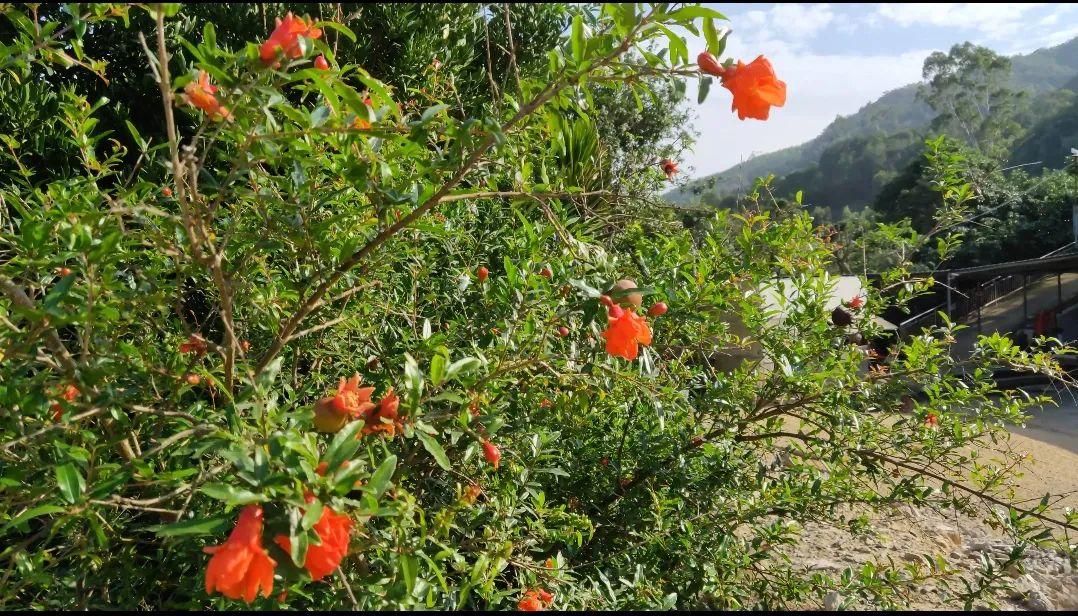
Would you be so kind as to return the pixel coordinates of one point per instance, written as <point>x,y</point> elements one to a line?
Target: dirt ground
<point>1048,581</point>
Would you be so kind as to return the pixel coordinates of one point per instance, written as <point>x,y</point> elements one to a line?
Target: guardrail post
<point>1025,297</point>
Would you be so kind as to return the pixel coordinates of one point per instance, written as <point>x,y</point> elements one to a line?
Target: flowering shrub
<point>358,352</point>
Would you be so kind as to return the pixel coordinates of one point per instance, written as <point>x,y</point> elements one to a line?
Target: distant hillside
<point>1050,140</point>
<point>877,139</point>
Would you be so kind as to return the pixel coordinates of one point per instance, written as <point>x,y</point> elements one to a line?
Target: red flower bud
<point>709,64</point>
<point>193,379</point>
<point>563,331</point>
<point>321,64</point>
<point>482,273</point>
<point>657,309</point>
<point>492,454</point>
<point>545,272</point>
<point>166,191</point>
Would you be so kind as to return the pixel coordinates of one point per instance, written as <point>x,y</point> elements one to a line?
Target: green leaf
<point>339,27</point>
<point>209,35</point>
<point>437,369</point>
<point>135,135</point>
<point>343,446</point>
<point>413,376</point>
<point>409,566</point>
<point>695,12</point>
<point>703,89</point>
<point>379,480</point>
<point>721,46</point>
<point>462,366</point>
<point>319,116</point>
<point>71,482</point>
<point>711,35</point>
<point>231,495</point>
<point>435,449</point>
<point>199,526</point>
<point>577,37</point>
<point>30,514</point>
<point>58,292</point>
<point>430,112</point>
<point>312,515</point>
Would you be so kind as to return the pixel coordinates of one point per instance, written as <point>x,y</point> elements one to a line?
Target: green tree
<point>967,88</point>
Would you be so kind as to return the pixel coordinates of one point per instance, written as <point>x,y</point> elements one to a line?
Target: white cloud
<point>1060,36</point>
<point>995,21</point>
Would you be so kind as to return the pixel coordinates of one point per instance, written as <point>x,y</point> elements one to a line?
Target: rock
<point>912,557</point>
<point>1037,600</point>
<point>948,535</point>
<point>823,563</point>
<point>832,600</point>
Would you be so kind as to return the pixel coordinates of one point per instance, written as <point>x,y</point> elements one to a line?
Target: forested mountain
<point>856,155</point>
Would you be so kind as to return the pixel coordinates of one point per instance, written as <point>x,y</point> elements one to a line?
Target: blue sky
<point>835,58</point>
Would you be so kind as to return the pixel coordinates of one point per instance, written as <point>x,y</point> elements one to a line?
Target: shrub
<point>282,353</point>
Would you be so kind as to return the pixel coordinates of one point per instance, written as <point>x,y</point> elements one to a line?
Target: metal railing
<point>983,295</point>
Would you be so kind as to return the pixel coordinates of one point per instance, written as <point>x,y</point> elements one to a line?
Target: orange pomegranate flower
<point>201,94</point>
<point>386,409</point>
<point>351,398</point>
<point>932,421</point>
<point>530,603</point>
<point>240,567</point>
<point>755,88</point>
<point>350,402</point>
<point>535,601</point>
<point>626,331</point>
<point>285,38</point>
<point>332,530</point>
<point>669,167</point>
<point>68,393</point>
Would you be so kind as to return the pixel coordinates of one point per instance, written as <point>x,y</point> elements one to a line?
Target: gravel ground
<point>1048,582</point>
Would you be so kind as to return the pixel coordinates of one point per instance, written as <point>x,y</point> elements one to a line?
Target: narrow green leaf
<point>70,481</point>
<point>231,495</point>
<point>695,12</point>
<point>343,446</point>
<point>435,449</point>
<point>312,515</point>
<point>379,480</point>
<point>30,514</point>
<point>409,566</point>
<point>578,38</point>
<point>199,526</point>
<point>711,35</point>
<point>703,89</point>
<point>437,369</point>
